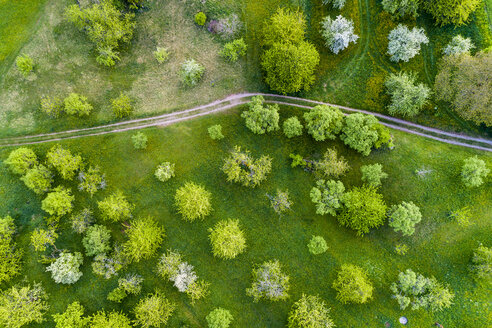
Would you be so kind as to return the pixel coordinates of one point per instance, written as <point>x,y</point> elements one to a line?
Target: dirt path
<point>239,99</point>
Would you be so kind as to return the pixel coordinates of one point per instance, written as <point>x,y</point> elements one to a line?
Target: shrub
<point>139,140</point>
<point>407,97</point>
<point>456,12</point>
<point>331,165</point>
<point>338,33</point>
<point>97,240</point>
<point>58,202</point>
<point>21,160</point>
<point>20,306</point>
<point>193,201</point>
<point>219,318</point>
<point>122,106</point>
<point>91,180</point>
<point>310,312</point>
<point>401,8</point>
<point>215,132</point>
<point>76,104</point>
<point>112,319</point>
<point>82,220</point>
<point>242,168</point>
<point>269,282</point>
<point>10,254</point>
<point>24,64</point>
<point>53,107</point>
<point>164,171</point>
<point>145,236</point>
<point>420,292</point>
<point>232,50</point>
<point>292,127</point>
<point>191,72</point>
<point>65,270</point>
<point>72,317</point>
<point>153,311</point>
<point>359,132</point>
<point>323,122</point>
<point>327,195</point>
<point>63,161</point>
<point>404,217</point>
<point>227,239</point>
<point>226,27</point>
<point>363,209</point>
<point>161,55</point>
<point>372,174</point>
<point>38,179</point>
<point>353,285</point>
<point>115,208</point>
<point>474,171</point>
<point>200,18</point>
<point>338,4</point>
<point>458,46</point>
<point>404,44</point>
<point>464,81</point>
<point>261,119</point>
<point>280,202</point>
<point>482,264</point>
<point>317,245</point>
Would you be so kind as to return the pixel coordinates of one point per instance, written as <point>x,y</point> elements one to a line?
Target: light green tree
<point>404,217</point>
<point>240,167</point>
<point>310,312</point>
<point>24,64</point>
<point>10,254</point>
<point>317,245</point>
<point>193,201</point>
<point>139,140</point>
<point>227,239</point>
<point>259,118</point>
<point>352,285</point>
<point>407,97</point>
<point>20,306</point>
<point>481,266</point>
<point>360,132</point>
<point>292,127</point>
<point>58,202</point>
<point>474,171</point>
<point>91,180</point>
<point>112,319</point>
<point>161,54</point>
<point>456,12</point>
<point>63,161</point>
<point>153,311</point>
<point>327,195</point>
<point>324,122</point>
<point>331,165</point>
<point>73,317</point>
<point>115,207</point>
<point>42,239</point>
<point>75,104</point>
<point>38,179</point>
<point>145,236</point>
<point>372,174</point>
<point>232,50</point>
<point>219,318</point>
<point>51,106</point>
<point>215,132</point>
<point>97,240</point>
<point>284,27</point>
<point>21,159</point>
<point>122,105</point>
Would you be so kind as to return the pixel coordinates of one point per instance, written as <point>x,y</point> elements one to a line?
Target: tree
<point>474,171</point>
<point>352,285</point>
<point>139,140</point>
<point>193,201</point>
<point>10,255</point>
<point>317,245</point>
<point>145,236</point>
<point>153,311</point>
<point>338,33</point>
<point>130,284</point>
<point>122,106</point>
<point>65,270</point>
<point>259,118</point>
<point>164,171</point>
<point>280,202</point>
<point>21,160</point>
<point>363,209</point>
<point>284,27</point>
<point>105,26</point>
<point>458,46</point>
<point>191,72</point>
<point>338,4</point>
<point>331,165</point>
<point>108,265</point>
<point>91,180</point>
<point>402,8</point>
<point>82,220</point>
<point>227,239</point>
<point>269,282</point>
<point>20,306</point>
<point>420,292</point>
<point>219,318</point>
<point>456,12</point>
<point>464,81</point>
<point>372,174</point>
<point>75,104</point>
<point>58,202</point>
<point>242,168</point>
<point>290,67</point>
<point>232,50</point>
<point>215,132</point>
<point>42,239</point>
<point>63,161</point>
<point>327,195</point>
<point>292,127</point>
<point>97,240</point>
<point>310,312</point>
<point>324,122</point>
<point>404,217</point>
<point>72,317</point>
<point>161,54</point>
<point>51,106</point>
<point>115,208</point>
<point>404,44</point>
<point>482,264</point>
<point>24,64</point>
<point>360,132</point>
<point>112,319</point>
<point>407,97</point>
<point>38,179</point>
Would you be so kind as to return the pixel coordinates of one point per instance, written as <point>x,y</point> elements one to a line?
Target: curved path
<point>239,99</point>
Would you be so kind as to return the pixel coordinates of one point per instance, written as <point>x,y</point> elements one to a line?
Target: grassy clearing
<point>439,247</point>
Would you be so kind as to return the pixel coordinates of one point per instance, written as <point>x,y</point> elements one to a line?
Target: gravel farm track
<point>240,99</point>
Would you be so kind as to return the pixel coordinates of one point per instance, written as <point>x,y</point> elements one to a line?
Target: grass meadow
<point>439,247</point>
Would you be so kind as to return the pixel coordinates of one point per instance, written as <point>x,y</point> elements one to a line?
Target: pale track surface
<point>240,99</point>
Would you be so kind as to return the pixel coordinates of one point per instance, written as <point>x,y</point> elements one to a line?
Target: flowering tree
<point>191,72</point>
<point>338,33</point>
<point>269,282</point>
<point>65,270</point>
<point>164,171</point>
<point>404,44</point>
<point>458,45</point>
<point>401,8</point>
<point>280,202</point>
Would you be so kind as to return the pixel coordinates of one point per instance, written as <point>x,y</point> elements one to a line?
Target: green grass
<point>439,247</point>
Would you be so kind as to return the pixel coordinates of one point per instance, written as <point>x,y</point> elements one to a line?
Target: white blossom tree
<point>338,33</point>
<point>404,43</point>
<point>65,270</point>
<point>458,45</point>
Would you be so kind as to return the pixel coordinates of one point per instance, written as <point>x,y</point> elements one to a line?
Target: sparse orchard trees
<point>372,174</point>
<point>10,254</point>
<point>482,264</point>
<point>407,97</point>
<point>73,317</point>
<point>63,161</point>
<point>75,104</point>
<point>404,44</point>
<point>292,127</point>
<point>324,122</point>
<point>91,180</point>
<point>20,306</point>
<point>233,50</point>
<point>122,106</point>
<point>145,236</point>
<point>115,208</point>
<point>215,132</point>
<point>191,72</point>
<point>242,168</point>
<point>310,312</point>
<point>58,202</point>
<point>261,119</point>
<point>327,195</point>
<point>227,239</point>
<point>404,217</point>
<point>97,240</point>
<point>38,179</point>
<point>65,269</point>
<point>193,201</point>
<point>401,8</point>
<point>353,285</point>
<point>317,245</point>
<point>219,318</point>
<point>474,171</point>
<point>21,160</point>
<point>456,12</point>
<point>24,64</point>
<point>338,33</point>
<point>269,282</point>
<point>153,311</point>
<point>458,46</point>
<point>164,171</point>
